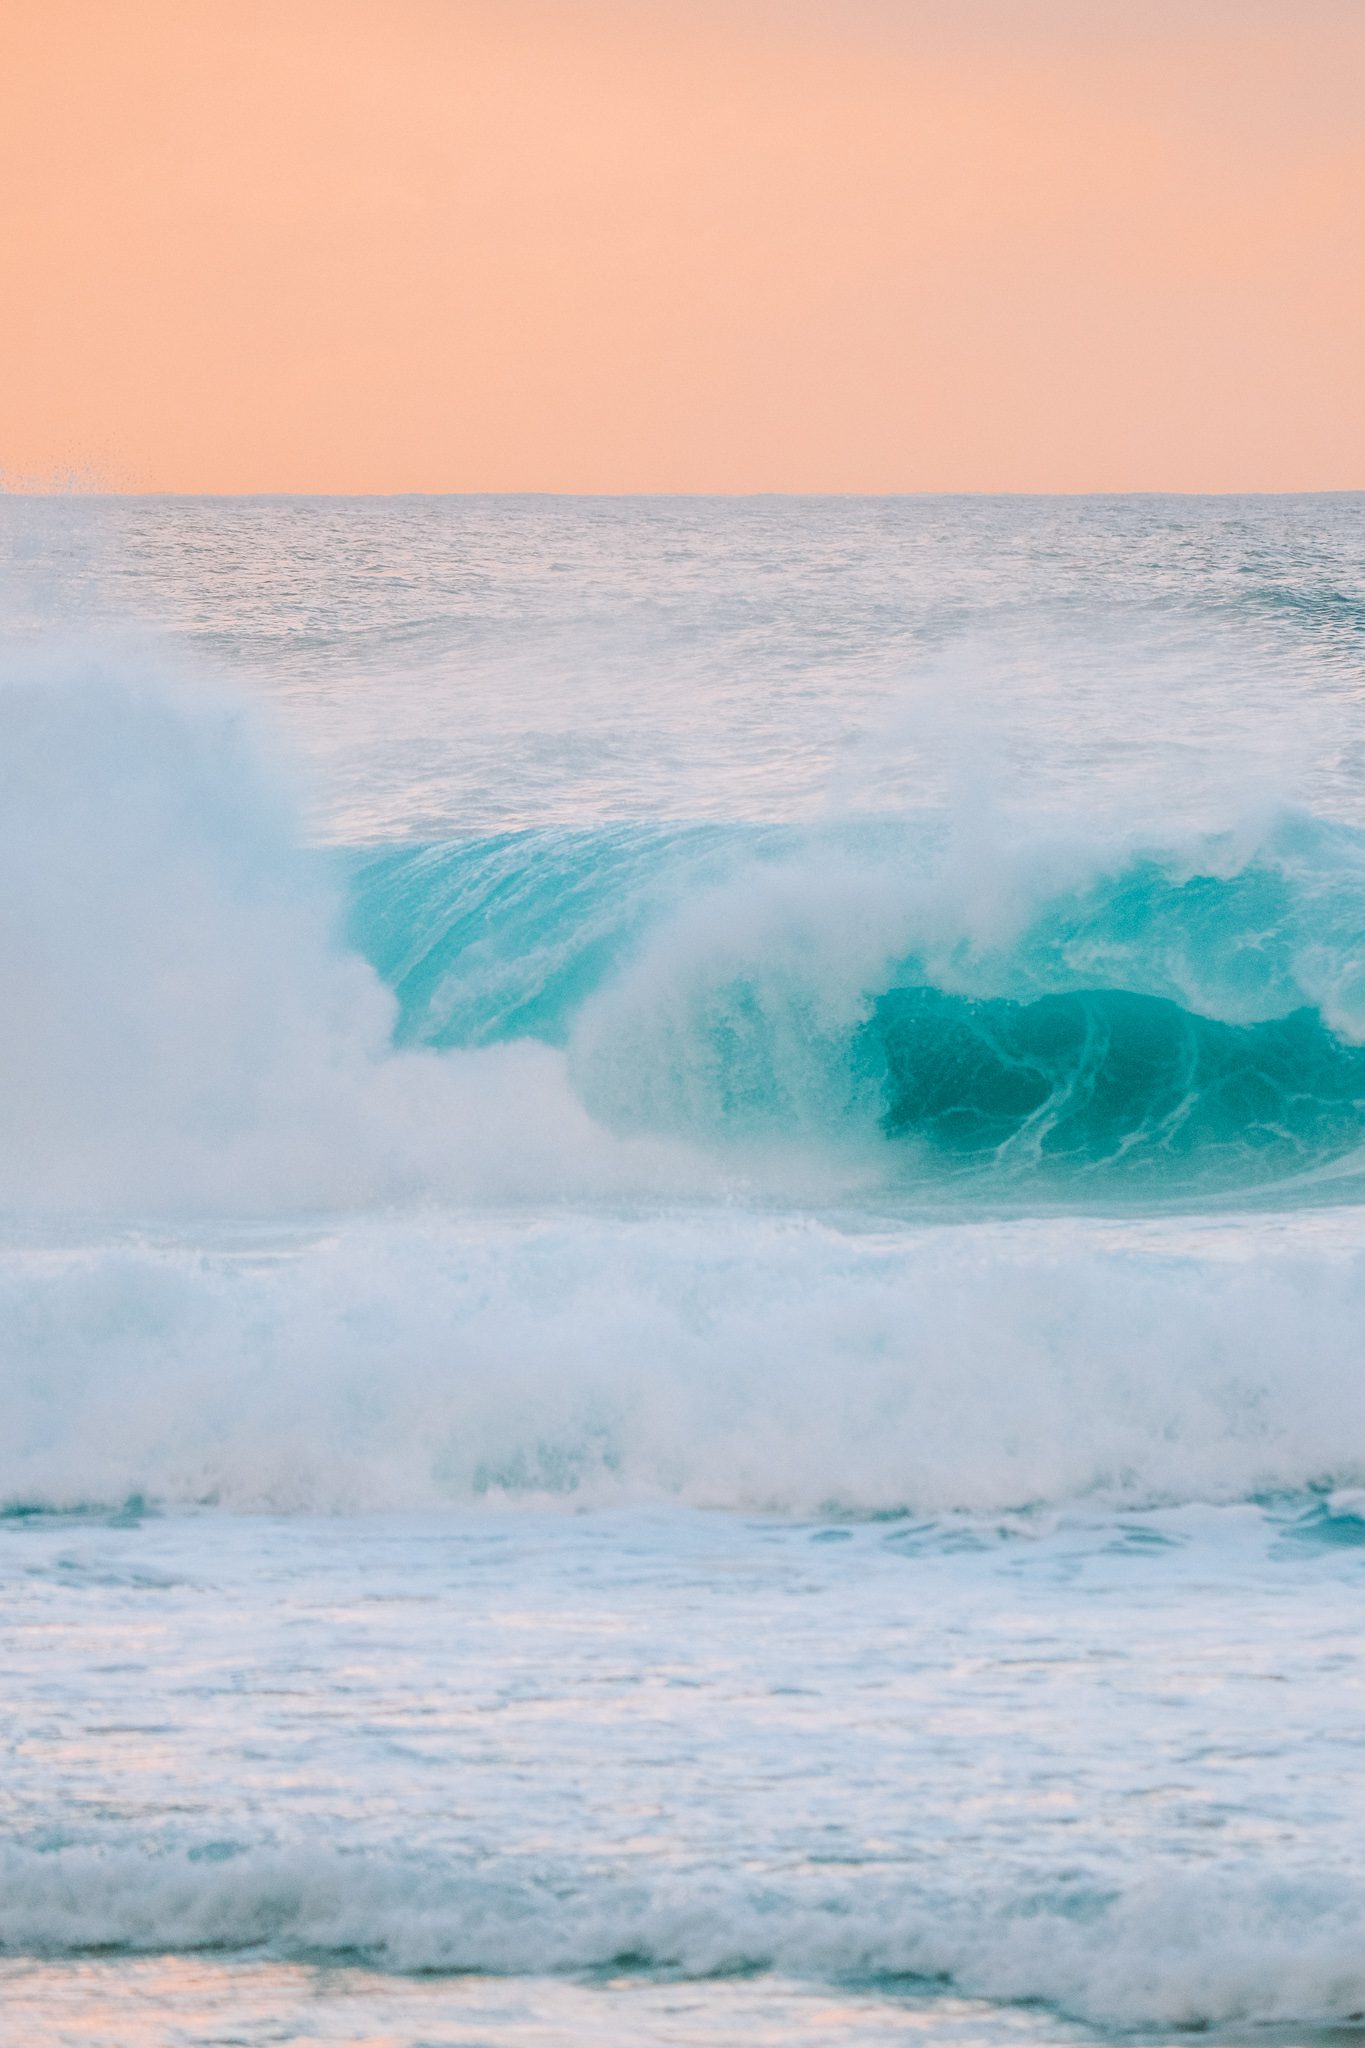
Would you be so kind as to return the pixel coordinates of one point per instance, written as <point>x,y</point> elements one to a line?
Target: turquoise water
<point>682,1270</point>
<point>1219,1052</point>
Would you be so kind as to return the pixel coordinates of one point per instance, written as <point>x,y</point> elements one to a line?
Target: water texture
<point>681,1270</point>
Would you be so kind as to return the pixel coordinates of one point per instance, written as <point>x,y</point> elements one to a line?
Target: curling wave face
<point>202,1013</point>
<point>1040,1021</point>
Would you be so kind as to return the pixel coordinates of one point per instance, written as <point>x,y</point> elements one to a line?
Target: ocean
<point>682,1271</point>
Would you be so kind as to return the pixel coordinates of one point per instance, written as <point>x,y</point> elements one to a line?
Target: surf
<point>203,1011</point>
<point>852,987</point>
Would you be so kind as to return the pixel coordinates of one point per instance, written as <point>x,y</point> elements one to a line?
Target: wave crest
<point>1168,1948</point>
<point>199,1013</point>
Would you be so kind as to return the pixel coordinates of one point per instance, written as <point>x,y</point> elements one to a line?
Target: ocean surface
<point>682,1271</point>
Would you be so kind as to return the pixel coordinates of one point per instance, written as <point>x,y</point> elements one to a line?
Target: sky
<point>682,245</point>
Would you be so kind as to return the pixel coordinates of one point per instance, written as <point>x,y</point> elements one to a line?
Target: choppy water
<point>681,1280</point>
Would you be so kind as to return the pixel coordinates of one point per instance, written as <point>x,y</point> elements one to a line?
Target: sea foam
<point>1168,1947</point>
<point>740,1360</point>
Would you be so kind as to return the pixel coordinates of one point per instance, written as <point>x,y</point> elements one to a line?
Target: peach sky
<point>682,245</point>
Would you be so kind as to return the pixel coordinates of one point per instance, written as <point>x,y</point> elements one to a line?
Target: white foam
<point>182,1028</point>
<point>736,1359</point>
<point>1167,1947</point>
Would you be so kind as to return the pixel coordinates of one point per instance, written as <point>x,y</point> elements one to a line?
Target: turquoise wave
<point>1153,1021</point>
<point>1113,1086</point>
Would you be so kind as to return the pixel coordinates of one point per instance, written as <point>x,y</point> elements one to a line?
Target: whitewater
<point>681,1269</point>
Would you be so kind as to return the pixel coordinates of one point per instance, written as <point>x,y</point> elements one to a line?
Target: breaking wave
<point>764,1065</point>
<point>1164,1947</point>
<point>200,1013</point>
<point>733,1360</point>
<point>1038,1018</point>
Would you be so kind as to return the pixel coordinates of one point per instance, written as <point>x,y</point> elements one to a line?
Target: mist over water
<point>533,1019</point>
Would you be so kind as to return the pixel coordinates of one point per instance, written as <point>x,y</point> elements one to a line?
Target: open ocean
<point>682,1275</point>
